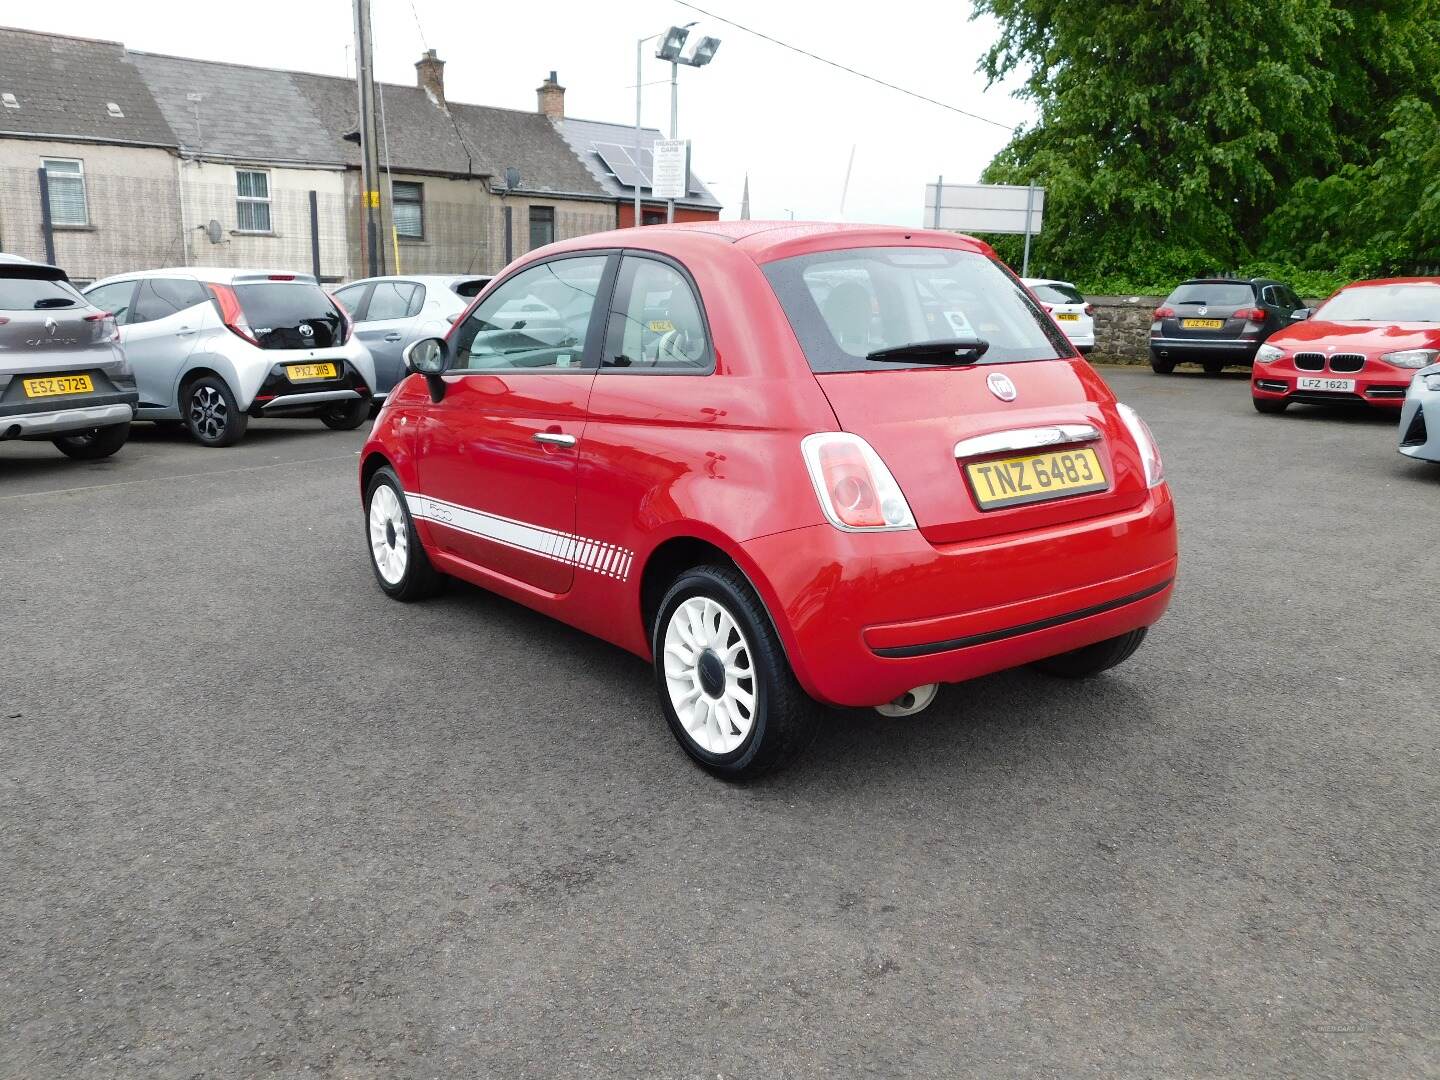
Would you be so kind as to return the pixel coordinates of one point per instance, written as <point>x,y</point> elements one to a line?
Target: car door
<point>388,327</point>
<point>160,332</point>
<point>497,455</point>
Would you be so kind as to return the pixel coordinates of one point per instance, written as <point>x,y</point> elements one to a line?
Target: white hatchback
<point>212,347</point>
<point>1068,308</point>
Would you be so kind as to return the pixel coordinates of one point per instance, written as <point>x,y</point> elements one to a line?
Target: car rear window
<point>1058,294</point>
<point>29,294</point>
<point>1384,303</point>
<point>844,305</point>
<point>1213,294</point>
<point>290,315</point>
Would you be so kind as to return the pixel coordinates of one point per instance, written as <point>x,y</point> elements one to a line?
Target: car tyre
<point>93,444</point>
<point>397,557</point>
<point>210,413</point>
<point>1269,405</point>
<point>1091,660</point>
<point>1161,366</point>
<point>347,415</point>
<point>719,660</point>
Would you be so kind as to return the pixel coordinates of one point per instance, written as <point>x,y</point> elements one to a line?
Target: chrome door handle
<point>554,438</point>
<point>1027,439</point>
<point>392,337</point>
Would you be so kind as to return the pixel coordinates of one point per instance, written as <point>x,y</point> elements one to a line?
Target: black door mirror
<point>429,357</point>
<point>1300,314</point>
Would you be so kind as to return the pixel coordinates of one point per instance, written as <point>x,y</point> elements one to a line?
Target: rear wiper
<point>54,301</point>
<point>957,351</point>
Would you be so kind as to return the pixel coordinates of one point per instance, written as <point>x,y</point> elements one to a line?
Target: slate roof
<point>268,116</point>
<point>582,135</point>
<point>63,86</point>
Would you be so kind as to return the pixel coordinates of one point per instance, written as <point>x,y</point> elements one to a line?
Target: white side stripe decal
<point>602,558</point>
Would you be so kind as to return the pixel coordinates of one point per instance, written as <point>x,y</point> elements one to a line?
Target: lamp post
<point>672,49</point>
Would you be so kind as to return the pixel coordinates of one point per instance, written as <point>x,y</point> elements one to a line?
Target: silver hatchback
<point>63,375</point>
<point>392,312</point>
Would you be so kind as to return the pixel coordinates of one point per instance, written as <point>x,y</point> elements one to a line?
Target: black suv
<point>1219,321</point>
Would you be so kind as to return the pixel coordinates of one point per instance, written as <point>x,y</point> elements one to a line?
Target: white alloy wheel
<point>389,538</point>
<point>710,675</point>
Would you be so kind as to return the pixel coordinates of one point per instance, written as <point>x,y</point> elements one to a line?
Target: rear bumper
<point>32,425</point>
<point>1233,350</point>
<point>867,617</point>
<point>278,396</point>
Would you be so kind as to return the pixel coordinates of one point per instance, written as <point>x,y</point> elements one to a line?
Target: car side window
<point>655,322</point>
<point>1271,295</point>
<point>417,301</point>
<point>390,300</point>
<point>352,298</point>
<point>116,299</point>
<point>538,319</point>
<point>159,298</point>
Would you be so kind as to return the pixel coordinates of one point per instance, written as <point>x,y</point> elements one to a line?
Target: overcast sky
<point>788,121</point>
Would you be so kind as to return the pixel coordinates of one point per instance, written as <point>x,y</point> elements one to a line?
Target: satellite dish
<point>512,178</point>
<point>214,232</point>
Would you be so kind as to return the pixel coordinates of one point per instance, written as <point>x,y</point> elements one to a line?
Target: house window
<point>252,200</point>
<point>542,226</point>
<point>410,209</point>
<point>65,178</point>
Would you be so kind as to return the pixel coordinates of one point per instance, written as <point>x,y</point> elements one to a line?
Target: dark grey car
<point>63,374</point>
<point>1220,321</point>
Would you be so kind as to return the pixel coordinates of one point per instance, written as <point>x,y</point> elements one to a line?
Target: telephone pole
<point>369,149</point>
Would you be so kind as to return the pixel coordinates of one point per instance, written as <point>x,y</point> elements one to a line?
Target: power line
<point>844,68</point>
<point>423,43</point>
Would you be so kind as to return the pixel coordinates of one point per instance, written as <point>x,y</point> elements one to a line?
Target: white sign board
<point>672,169</point>
<point>984,208</point>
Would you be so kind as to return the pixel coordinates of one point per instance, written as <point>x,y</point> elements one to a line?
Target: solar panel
<point>619,161</point>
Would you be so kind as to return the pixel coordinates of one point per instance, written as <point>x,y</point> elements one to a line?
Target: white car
<point>211,347</point>
<point>1068,308</point>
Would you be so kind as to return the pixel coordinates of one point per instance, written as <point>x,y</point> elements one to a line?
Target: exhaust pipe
<point>911,702</point>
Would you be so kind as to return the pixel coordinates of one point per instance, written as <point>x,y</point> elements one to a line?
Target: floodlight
<point>673,43</point>
<point>704,52</point>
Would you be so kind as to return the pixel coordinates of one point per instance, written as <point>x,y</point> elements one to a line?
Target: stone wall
<point>1122,328</point>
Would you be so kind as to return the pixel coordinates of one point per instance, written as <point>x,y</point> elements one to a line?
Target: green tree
<point>1169,131</point>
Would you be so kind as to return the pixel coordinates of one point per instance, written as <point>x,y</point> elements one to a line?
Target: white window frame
<point>45,163</point>
<point>254,199</point>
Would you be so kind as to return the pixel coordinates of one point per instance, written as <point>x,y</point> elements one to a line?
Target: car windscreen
<point>1413,302</point>
<point>32,294</point>
<point>1057,294</point>
<point>845,305</point>
<point>1221,294</point>
<point>290,315</point>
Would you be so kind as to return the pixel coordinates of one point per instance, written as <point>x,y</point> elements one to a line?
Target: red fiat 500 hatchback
<point>787,463</point>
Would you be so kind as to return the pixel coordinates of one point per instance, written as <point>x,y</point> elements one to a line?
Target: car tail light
<point>855,489</point>
<point>109,329</point>
<point>1090,310</point>
<point>231,313</point>
<point>3,320</point>
<point>347,323</point>
<point>1253,314</point>
<point>1164,313</point>
<point>1049,308</point>
<point>1145,441</point>
<point>282,277</point>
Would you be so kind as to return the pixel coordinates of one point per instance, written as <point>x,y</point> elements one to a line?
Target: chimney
<point>430,75</point>
<point>551,96</point>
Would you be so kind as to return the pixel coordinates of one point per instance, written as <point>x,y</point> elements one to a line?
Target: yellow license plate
<point>1203,324</point>
<point>58,384</point>
<point>301,372</point>
<point>1035,478</point>
<point>1068,316</point>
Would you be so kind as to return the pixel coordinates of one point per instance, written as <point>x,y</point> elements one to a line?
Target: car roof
<point>764,241</point>
<point>1393,281</point>
<point>441,279</point>
<point>19,266</point>
<point>218,275</point>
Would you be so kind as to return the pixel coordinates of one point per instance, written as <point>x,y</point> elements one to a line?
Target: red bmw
<point>786,463</point>
<point>1361,347</point>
